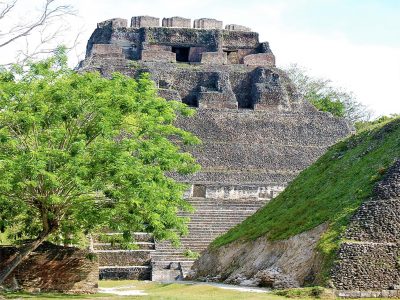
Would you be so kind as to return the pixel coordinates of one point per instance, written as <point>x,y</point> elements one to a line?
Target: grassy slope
<point>328,191</point>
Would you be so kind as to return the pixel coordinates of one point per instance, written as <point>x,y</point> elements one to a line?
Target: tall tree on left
<point>79,152</point>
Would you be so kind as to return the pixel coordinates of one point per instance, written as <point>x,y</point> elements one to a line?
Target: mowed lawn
<point>152,290</point>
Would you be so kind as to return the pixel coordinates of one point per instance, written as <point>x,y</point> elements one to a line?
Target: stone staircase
<point>212,218</point>
<point>116,263</point>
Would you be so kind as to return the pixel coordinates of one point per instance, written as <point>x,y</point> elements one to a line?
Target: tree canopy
<point>325,97</point>
<point>80,152</point>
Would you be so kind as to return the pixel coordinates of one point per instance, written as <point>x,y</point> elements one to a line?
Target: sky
<point>354,43</point>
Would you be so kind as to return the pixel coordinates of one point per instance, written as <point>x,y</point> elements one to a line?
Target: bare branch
<point>47,15</point>
<point>7,8</point>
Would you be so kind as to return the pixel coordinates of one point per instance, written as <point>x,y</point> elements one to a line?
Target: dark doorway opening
<point>182,53</point>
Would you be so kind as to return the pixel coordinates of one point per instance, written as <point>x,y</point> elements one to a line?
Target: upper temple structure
<point>257,132</point>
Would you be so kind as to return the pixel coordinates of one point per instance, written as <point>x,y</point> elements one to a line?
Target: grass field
<point>152,290</point>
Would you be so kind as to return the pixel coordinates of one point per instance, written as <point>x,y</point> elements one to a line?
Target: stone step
<point>124,257</point>
<point>125,272</point>
<point>227,203</point>
<point>222,213</point>
<point>163,263</point>
<point>109,246</point>
<point>136,236</point>
<point>172,258</point>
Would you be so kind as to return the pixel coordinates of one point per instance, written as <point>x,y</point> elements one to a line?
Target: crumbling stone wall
<point>206,36</point>
<point>369,259</point>
<point>54,268</point>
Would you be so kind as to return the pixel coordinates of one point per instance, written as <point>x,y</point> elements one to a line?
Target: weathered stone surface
<point>260,59</point>
<point>158,56</point>
<point>123,257</point>
<point>54,268</point>
<point>367,266</point>
<point>280,264</point>
<point>107,51</point>
<point>389,187</point>
<point>206,23</point>
<point>368,260</point>
<point>145,21</point>
<point>169,94</point>
<point>176,22</point>
<point>114,23</point>
<point>237,27</point>
<point>213,58</point>
<point>125,273</point>
<point>268,91</point>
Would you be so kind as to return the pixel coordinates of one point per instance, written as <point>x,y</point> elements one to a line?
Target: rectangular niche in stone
<point>199,190</point>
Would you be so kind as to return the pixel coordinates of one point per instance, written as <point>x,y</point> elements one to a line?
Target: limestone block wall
<point>206,36</point>
<point>158,56</point>
<point>206,23</point>
<point>145,21</point>
<point>237,27</point>
<point>176,22</point>
<point>240,192</point>
<point>213,58</point>
<point>259,59</point>
<point>368,263</point>
<point>55,268</point>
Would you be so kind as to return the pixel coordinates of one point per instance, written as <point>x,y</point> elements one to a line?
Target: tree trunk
<point>21,255</point>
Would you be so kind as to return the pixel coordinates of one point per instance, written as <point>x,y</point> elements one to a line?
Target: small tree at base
<point>79,152</point>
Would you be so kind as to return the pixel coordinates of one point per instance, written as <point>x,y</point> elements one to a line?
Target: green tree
<point>326,97</point>
<point>79,152</point>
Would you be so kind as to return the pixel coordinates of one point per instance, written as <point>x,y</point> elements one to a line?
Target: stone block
<point>169,94</point>
<point>107,51</point>
<point>195,53</point>
<point>123,257</point>
<point>125,273</point>
<point>113,23</point>
<point>260,59</point>
<point>206,23</point>
<point>52,268</point>
<point>236,27</point>
<point>213,58</point>
<point>267,91</point>
<point>176,22</point>
<point>216,100</point>
<point>155,47</point>
<point>145,21</point>
<point>158,56</point>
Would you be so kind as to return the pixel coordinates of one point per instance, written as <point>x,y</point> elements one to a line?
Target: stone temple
<point>257,132</point>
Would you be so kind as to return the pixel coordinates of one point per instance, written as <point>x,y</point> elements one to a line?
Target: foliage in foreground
<point>79,152</point>
<point>329,191</point>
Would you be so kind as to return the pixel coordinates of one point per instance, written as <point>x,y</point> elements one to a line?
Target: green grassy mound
<point>329,191</point>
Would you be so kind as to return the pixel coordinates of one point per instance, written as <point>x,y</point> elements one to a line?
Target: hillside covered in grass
<point>329,191</point>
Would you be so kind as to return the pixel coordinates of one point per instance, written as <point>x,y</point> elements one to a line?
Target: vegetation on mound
<point>308,292</point>
<point>329,191</point>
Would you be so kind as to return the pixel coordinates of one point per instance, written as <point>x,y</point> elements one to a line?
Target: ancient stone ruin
<point>53,268</point>
<point>368,262</point>
<point>257,132</point>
